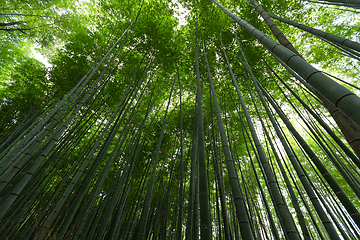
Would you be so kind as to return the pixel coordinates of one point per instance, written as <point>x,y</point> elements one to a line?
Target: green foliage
<point>23,90</point>
<point>132,97</point>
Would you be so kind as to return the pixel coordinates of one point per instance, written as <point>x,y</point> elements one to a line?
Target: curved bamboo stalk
<point>132,156</point>
<point>219,179</point>
<point>141,234</point>
<point>290,228</point>
<point>68,100</point>
<point>333,3</point>
<point>328,36</point>
<point>341,97</point>
<point>349,131</point>
<point>263,197</point>
<point>205,227</point>
<point>347,126</point>
<point>190,213</point>
<point>274,28</point>
<point>322,169</point>
<point>294,201</point>
<point>355,3</point>
<point>234,181</point>
<point>219,232</point>
<point>28,152</point>
<point>325,220</point>
<point>342,172</point>
<point>100,180</point>
<point>181,174</point>
<point>319,192</point>
<point>345,51</point>
<point>339,79</point>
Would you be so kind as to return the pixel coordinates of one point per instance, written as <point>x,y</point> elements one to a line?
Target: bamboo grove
<point>217,129</point>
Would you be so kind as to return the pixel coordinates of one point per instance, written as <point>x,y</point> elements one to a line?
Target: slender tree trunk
<point>288,184</point>
<point>21,14</point>
<point>218,179</point>
<point>350,129</point>
<point>142,233</point>
<point>343,98</point>
<point>310,191</point>
<point>354,213</point>
<point>234,181</point>
<point>181,174</point>
<point>328,36</point>
<point>205,227</point>
<point>274,28</point>
<point>345,2</point>
<point>190,212</point>
<point>355,135</point>
<point>335,4</point>
<point>11,23</point>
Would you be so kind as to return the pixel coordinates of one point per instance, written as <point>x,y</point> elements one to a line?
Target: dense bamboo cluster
<point>216,156</point>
